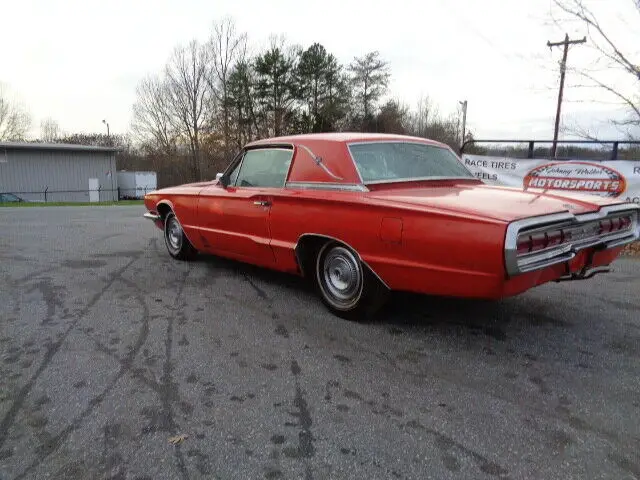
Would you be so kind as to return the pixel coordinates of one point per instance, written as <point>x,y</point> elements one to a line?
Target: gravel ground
<point>108,348</point>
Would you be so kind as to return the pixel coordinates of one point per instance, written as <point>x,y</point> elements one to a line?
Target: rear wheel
<point>346,286</point>
<point>176,241</point>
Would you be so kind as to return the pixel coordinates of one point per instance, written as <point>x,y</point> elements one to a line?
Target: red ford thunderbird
<point>361,215</point>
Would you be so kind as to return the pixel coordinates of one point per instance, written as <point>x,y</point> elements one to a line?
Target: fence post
<point>45,193</point>
<point>530,153</point>
<point>614,152</point>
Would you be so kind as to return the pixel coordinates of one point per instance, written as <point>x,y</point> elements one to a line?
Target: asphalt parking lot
<point>108,348</point>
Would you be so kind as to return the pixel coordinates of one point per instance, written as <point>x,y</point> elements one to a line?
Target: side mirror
<point>221,179</point>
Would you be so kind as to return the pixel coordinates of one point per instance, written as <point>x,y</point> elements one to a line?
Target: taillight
<point>625,222</point>
<point>605,226</point>
<point>524,244</point>
<point>580,235</point>
<point>616,223</point>
<point>539,241</point>
<point>554,237</point>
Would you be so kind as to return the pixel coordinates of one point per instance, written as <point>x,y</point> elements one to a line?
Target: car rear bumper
<point>584,264</point>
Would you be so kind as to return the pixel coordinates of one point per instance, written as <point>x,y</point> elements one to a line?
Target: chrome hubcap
<point>342,277</point>
<point>174,234</point>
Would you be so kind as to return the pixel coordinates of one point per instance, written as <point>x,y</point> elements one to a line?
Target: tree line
<point>212,97</point>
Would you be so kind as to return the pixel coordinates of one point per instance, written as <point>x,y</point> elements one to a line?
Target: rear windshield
<point>389,161</point>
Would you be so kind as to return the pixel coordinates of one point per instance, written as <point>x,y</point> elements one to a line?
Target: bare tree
<point>15,120</point>
<point>418,120</point>
<point>152,115</point>
<point>227,49</point>
<point>191,97</point>
<point>49,130</point>
<point>611,58</point>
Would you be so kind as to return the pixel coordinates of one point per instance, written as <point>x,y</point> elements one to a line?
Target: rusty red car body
<point>365,214</point>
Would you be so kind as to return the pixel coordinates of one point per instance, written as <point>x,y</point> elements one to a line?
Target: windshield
<point>389,161</point>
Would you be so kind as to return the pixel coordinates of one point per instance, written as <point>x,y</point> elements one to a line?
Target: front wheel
<point>176,241</point>
<point>345,284</point>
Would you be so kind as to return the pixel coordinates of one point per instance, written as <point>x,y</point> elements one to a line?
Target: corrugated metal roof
<point>56,146</point>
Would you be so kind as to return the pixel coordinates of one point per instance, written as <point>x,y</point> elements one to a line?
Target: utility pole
<point>464,119</point>
<point>563,67</point>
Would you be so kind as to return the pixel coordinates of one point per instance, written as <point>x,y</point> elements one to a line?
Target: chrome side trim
<point>295,250</point>
<point>347,187</point>
<point>515,265</point>
<point>416,179</point>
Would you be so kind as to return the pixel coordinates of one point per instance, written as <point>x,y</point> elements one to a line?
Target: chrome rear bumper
<point>517,264</point>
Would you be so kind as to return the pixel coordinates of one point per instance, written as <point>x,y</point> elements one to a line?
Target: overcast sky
<point>78,61</point>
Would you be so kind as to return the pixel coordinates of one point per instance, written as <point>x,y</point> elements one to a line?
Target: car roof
<point>344,137</point>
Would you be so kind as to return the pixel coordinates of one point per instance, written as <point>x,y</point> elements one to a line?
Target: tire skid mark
<point>455,380</point>
<point>50,295</point>
<point>305,437</point>
<point>33,275</point>
<point>259,291</point>
<point>446,443</point>
<point>136,373</point>
<point>168,386</point>
<point>305,449</point>
<point>52,349</point>
<point>569,419</point>
<point>125,365</point>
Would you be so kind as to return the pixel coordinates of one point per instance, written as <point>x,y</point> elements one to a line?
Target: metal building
<point>58,172</point>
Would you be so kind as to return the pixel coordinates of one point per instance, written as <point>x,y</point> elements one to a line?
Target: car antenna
<point>318,160</point>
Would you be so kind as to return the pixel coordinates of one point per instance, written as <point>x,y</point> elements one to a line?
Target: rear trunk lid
<point>495,202</point>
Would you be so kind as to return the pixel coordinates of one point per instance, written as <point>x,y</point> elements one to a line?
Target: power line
<point>563,67</point>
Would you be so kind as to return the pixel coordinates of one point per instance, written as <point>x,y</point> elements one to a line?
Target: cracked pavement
<point>108,348</point>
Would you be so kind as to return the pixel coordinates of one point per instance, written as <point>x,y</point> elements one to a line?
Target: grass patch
<point>71,204</point>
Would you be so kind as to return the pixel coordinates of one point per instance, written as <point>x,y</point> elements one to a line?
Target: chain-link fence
<point>99,194</point>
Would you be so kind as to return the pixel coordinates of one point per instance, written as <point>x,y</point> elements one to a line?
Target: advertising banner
<point>619,179</point>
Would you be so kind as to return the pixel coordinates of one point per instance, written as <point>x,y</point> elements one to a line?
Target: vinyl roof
<point>55,146</point>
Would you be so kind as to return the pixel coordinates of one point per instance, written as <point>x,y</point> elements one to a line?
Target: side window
<point>266,167</point>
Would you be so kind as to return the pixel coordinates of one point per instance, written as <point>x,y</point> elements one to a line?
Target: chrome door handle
<point>262,203</point>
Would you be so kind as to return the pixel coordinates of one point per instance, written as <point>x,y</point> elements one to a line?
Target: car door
<point>235,220</point>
